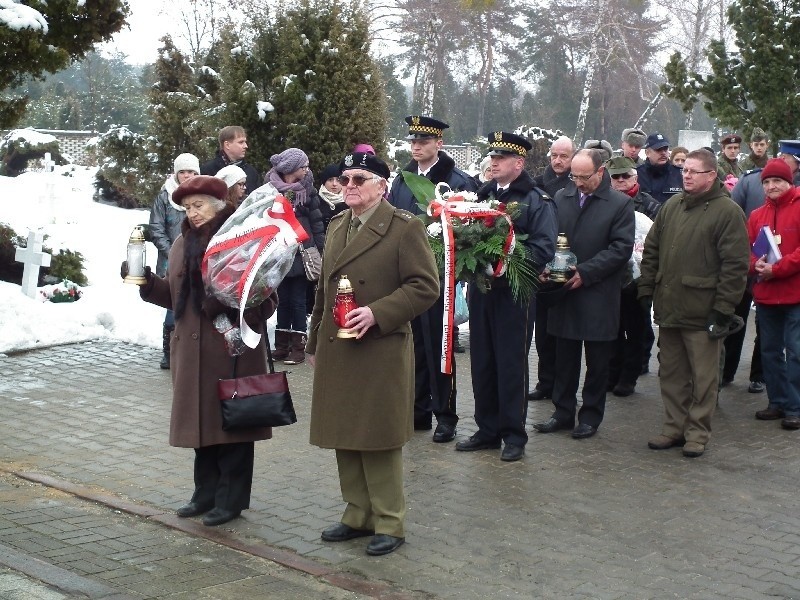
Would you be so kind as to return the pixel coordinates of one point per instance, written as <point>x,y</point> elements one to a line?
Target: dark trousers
<point>292,304</point>
<point>626,362</point>
<point>500,337</point>
<point>434,391</point>
<point>565,398</point>
<point>545,350</point>
<point>223,475</point>
<point>734,343</point>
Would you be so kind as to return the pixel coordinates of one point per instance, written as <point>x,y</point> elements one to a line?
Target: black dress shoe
<point>583,431</point>
<point>218,516</point>
<point>339,532</point>
<point>192,509</point>
<point>475,443</point>
<point>512,452</point>
<point>538,394</point>
<point>384,544</point>
<point>444,433</point>
<point>624,389</point>
<point>552,424</point>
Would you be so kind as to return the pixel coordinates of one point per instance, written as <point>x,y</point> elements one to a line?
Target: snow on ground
<point>62,208</point>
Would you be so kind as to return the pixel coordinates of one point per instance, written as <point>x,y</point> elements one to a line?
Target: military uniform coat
<point>363,393</point>
<point>198,359</point>
<point>601,236</point>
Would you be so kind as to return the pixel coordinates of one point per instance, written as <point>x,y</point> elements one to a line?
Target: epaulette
<point>399,212</point>
<point>542,193</point>
<point>338,215</point>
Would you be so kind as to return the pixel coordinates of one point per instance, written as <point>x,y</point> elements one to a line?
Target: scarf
<point>195,244</point>
<point>170,185</point>
<point>330,198</point>
<point>634,190</point>
<point>299,189</point>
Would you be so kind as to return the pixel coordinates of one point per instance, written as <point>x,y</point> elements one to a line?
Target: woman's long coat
<point>198,359</point>
<point>363,396</point>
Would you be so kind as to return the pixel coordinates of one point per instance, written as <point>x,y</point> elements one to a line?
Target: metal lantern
<point>136,257</point>
<point>559,267</point>
<point>343,304</point>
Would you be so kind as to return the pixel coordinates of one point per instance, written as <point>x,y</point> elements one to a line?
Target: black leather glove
<point>646,302</point>
<point>123,271</point>
<point>718,325</point>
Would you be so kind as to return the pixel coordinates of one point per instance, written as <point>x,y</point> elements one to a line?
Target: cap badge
<point>348,160</point>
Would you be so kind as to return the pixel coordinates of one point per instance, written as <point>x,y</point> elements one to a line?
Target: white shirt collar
<point>428,170</point>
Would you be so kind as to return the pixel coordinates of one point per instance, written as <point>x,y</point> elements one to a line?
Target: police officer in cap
<point>500,328</point>
<point>434,391</point>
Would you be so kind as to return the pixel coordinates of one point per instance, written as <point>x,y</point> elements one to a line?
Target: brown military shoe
<point>769,414</point>
<point>664,442</point>
<point>791,422</point>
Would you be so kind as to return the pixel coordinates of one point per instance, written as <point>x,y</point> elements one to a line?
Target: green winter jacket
<point>695,259</point>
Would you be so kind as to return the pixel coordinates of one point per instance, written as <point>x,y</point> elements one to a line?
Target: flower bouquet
<point>251,253</point>
<point>474,242</point>
<point>66,291</point>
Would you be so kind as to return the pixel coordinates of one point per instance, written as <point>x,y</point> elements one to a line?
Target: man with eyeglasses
<point>554,178</point>
<point>599,224</point>
<point>626,362</point>
<point>361,401</point>
<point>501,329</point>
<point>694,270</point>
<point>435,392</point>
<point>658,176</point>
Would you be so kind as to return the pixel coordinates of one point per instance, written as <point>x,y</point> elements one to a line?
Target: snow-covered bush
<point>125,174</point>
<point>20,146</point>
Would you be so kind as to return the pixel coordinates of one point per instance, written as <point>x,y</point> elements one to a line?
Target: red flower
<point>488,221</point>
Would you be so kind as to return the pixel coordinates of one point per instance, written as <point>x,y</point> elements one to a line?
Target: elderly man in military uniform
<point>434,391</point>
<point>501,328</point>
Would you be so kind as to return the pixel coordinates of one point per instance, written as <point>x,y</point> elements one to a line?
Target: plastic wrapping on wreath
<point>252,252</point>
<point>643,225</point>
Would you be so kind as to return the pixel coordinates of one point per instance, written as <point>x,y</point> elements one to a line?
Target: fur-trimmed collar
<point>439,172</point>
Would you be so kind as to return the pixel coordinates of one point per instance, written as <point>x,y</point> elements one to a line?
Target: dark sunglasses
<point>358,180</point>
<point>622,176</point>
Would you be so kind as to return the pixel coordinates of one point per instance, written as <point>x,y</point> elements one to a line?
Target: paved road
<point>597,518</point>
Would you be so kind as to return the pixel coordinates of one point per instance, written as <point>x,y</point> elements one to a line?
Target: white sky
<point>148,22</point>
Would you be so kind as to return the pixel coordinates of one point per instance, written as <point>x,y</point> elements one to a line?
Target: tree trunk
<point>649,109</point>
<point>486,76</point>
<point>429,65</point>
<point>587,91</point>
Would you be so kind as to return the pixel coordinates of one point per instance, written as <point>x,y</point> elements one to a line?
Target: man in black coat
<point>500,327</point>
<point>554,179</point>
<point>599,223</point>
<point>232,148</point>
<point>434,391</point>
<point>658,176</point>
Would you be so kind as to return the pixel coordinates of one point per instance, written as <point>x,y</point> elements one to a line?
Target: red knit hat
<point>201,184</point>
<point>777,167</point>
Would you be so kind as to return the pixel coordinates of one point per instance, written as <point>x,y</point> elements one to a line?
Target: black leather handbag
<point>256,400</point>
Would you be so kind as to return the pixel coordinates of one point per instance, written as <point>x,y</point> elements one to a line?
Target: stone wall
<point>72,144</point>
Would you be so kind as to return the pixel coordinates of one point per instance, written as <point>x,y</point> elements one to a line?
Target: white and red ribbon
<point>447,209</point>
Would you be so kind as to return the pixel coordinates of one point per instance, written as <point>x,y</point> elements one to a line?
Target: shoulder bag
<point>312,262</point>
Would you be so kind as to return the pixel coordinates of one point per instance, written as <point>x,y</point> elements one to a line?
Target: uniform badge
<point>348,160</point>
<point>415,120</point>
<point>498,136</point>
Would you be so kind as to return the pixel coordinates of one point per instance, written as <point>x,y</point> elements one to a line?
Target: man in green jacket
<point>694,270</point>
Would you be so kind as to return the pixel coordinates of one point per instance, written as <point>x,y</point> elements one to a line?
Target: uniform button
<point>194,336</point>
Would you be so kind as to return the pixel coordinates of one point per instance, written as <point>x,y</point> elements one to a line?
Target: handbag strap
<point>269,355</point>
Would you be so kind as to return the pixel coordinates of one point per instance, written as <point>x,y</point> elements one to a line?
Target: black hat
<point>502,142</point>
<point>329,171</point>
<point>368,162</point>
<point>424,127</point>
<point>656,141</point>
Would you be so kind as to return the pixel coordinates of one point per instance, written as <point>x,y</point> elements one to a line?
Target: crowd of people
<point>659,234</point>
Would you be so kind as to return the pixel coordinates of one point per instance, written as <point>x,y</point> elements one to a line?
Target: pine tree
<point>65,30</point>
<point>756,87</point>
<point>312,65</point>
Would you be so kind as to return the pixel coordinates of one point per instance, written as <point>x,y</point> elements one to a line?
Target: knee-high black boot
<point>165,345</point>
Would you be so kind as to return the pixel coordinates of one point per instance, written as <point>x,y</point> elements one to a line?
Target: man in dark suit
<point>501,328</point>
<point>434,391</point>
<point>599,223</point>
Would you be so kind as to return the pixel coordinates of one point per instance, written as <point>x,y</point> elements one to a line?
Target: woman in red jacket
<point>776,292</point>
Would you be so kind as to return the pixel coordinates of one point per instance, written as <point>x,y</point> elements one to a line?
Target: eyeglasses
<point>584,177</point>
<point>692,173</point>
<point>358,180</point>
<point>622,176</point>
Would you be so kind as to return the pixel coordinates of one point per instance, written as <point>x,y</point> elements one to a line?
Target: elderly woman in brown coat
<point>363,398</point>
<point>223,466</point>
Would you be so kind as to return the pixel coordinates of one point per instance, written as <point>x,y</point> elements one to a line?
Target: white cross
<point>33,258</point>
<point>49,163</point>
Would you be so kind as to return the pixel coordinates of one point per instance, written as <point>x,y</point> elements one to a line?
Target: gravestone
<point>32,258</point>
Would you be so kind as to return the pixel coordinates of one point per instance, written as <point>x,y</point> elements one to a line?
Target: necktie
<point>355,223</point>
<point>583,199</point>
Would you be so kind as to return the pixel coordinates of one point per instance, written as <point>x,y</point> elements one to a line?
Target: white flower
<point>435,230</point>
